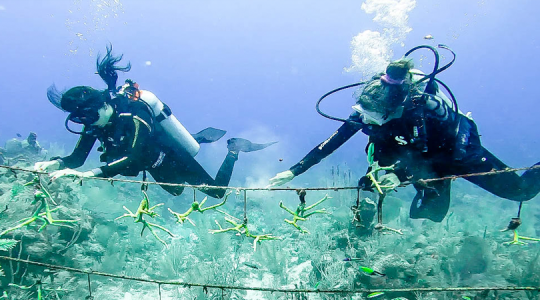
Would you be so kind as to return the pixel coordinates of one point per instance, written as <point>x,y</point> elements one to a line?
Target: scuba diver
<point>137,132</point>
<point>419,130</point>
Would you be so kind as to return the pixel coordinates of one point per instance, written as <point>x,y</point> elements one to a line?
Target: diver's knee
<point>175,191</point>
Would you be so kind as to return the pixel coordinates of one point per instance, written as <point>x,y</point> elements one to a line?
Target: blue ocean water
<point>256,70</point>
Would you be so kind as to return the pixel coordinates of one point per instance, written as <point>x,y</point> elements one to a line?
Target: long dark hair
<point>107,68</point>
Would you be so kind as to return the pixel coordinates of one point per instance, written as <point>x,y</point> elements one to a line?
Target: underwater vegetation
<point>304,244</point>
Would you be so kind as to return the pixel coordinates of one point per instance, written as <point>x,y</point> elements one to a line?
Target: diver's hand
<point>70,173</point>
<point>389,181</point>
<point>281,178</point>
<point>44,166</point>
<point>365,184</point>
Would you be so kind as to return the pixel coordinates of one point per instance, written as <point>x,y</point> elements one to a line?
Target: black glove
<point>365,184</point>
<point>514,224</point>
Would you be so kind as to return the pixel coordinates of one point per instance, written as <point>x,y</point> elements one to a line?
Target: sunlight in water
<point>371,50</point>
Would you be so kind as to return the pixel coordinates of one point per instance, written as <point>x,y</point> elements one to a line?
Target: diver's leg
<point>193,173</point>
<point>167,173</point>
<point>198,175</point>
<point>234,145</point>
<point>184,169</point>
<point>506,185</point>
<point>224,174</point>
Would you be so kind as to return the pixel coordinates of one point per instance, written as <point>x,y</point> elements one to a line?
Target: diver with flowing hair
<point>417,128</point>
<point>137,132</point>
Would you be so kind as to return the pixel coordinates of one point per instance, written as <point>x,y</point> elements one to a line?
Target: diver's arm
<point>344,133</point>
<point>79,154</point>
<point>141,136</point>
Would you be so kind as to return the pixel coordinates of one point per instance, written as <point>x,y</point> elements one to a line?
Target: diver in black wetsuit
<point>134,138</point>
<point>387,112</point>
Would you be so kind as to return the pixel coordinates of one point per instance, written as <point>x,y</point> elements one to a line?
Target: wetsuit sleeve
<point>338,138</point>
<point>79,154</point>
<point>136,155</point>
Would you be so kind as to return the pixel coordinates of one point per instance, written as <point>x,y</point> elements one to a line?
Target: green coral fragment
<point>386,182</point>
<point>37,288</point>
<point>145,209</point>
<point>383,184</point>
<point>242,228</point>
<point>301,213</point>
<point>43,212</point>
<point>196,206</point>
<point>517,240</point>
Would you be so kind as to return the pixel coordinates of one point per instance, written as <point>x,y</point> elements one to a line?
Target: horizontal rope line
<point>453,177</point>
<point>203,186</point>
<point>283,290</point>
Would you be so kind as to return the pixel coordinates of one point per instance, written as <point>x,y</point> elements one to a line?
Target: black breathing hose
<point>69,129</point>
<point>330,93</point>
<point>431,77</point>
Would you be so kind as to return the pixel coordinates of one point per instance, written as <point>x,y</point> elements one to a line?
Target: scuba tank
<point>171,132</point>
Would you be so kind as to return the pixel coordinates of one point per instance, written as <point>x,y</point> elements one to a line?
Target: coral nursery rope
<point>454,177</point>
<point>203,186</point>
<point>279,290</point>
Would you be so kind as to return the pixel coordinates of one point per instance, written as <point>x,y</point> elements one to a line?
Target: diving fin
<point>208,135</point>
<point>243,145</point>
<point>434,202</point>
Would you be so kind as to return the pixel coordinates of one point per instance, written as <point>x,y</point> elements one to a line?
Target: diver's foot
<point>243,145</point>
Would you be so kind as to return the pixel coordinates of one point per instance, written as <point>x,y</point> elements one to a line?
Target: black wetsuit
<point>130,145</point>
<point>449,152</point>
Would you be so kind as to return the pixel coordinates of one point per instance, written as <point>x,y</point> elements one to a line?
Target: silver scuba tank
<point>175,134</point>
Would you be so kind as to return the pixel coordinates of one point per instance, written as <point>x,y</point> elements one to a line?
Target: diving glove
<point>44,166</point>
<point>281,178</point>
<point>365,184</point>
<point>70,173</point>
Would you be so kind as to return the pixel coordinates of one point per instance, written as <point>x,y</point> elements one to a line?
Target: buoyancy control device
<point>171,132</point>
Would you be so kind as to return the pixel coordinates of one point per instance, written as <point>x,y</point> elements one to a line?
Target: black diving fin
<point>243,145</point>
<point>431,203</point>
<point>208,135</point>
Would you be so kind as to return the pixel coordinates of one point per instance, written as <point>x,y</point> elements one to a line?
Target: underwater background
<point>256,69</point>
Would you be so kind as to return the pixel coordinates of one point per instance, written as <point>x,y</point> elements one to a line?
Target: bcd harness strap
<point>165,113</point>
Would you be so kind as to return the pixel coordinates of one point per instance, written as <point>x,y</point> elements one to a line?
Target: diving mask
<point>375,117</point>
<point>85,116</point>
